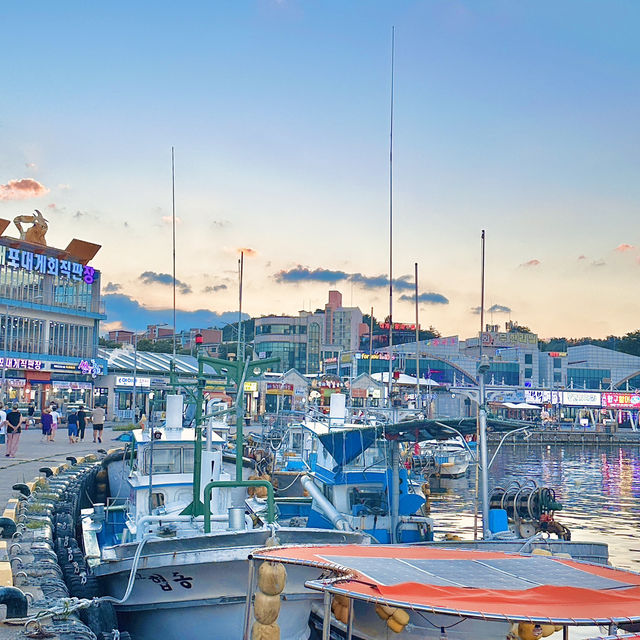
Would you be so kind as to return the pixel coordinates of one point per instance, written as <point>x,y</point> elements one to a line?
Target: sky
<point>520,118</point>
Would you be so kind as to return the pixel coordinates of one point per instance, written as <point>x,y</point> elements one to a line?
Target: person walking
<point>97,418</point>
<point>14,429</point>
<point>47,424</point>
<point>55,417</point>
<point>72,425</point>
<point>82,421</point>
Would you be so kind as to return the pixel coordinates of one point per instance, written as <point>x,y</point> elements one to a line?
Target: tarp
<point>473,584</point>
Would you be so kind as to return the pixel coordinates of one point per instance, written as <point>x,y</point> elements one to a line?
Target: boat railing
<point>229,484</point>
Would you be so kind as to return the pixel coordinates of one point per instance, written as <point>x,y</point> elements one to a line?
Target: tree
<point>108,344</point>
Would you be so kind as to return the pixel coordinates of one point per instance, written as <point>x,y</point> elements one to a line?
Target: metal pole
<point>418,403</point>
<point>370,339</point>
<point>240,356</point>
<point>350,620</point>
<point>135,374</point>
<point>326,618</point>
<point>249,600</point>
<point>4,363</point>
<point>390,381</point>
<point>482,413</point>
<point>239,422</point>
<point>173,245</point>
<point>395,488</point>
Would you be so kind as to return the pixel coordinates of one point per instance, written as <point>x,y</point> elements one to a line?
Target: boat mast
<point>417,343</point>
<point>483,366</point>
<point>240,355</point>
<point>390,381</point>
<point>173,244</point>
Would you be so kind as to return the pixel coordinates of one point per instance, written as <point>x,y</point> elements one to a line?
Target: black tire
<point>100,618</point>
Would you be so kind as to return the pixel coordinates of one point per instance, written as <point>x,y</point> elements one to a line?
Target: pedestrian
<point>55,417</point>
<point>31,409</point>
<point>82,421</point>
<point>14,428</point>
<point>97,418</point>
<point>47,423</point>
<point>72,425</point>
<point>3,420</point>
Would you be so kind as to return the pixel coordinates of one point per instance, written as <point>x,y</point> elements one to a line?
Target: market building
<point>50,310</point>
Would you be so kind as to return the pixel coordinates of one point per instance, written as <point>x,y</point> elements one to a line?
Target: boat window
<point>187,460</point>
<point>368,501</point>
<point>157,499</point>
<point>165,460</point>
<point>296,441</point>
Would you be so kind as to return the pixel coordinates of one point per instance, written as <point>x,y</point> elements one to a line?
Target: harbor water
<point>599,488</point>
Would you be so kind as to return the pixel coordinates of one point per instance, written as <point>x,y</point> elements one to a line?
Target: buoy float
<point>272,577</point>
<point>397,619</point>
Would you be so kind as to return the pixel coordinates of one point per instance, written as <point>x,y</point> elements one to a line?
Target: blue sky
<point>520,118</point>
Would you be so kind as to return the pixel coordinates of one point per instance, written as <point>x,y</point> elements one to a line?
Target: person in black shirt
<point>82,421</point>
<point>14,428</point>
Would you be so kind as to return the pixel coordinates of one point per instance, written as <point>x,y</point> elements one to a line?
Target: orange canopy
<point>473,584</point>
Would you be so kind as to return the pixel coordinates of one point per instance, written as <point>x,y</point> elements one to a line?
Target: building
<point>211,339</point>
<point>121,336</point>
<point>296,340</point>
<point>50,310</point>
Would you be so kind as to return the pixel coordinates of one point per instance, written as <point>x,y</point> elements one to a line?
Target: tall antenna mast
<point>240,355</point>
<point>390,382</point>
<point>173,227</point>
<point>418,400</point>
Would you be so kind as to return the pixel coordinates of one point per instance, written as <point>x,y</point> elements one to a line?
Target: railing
<point>271,505</point>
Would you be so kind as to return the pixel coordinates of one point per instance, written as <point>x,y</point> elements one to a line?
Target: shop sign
<point>46,265</point>
<point>581,398</point>
<point>251,386</point>
<point>71,384</point>
<point>90,368</point>
<point>127,381</point>
<point>279,387</point>
<point>542,396</point>
<point>502,339</point>
<point>450,341</point>
<point>377,356</point>
<point>626,400</point>
<point>63,366</point>
<point>21,363</point>
<point>20,382</point>
<point>398,326</point>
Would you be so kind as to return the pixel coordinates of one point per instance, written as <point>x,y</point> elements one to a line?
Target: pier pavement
<point>33,453</point>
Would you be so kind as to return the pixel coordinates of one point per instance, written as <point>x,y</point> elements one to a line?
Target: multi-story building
<point>296,340</point>
<point>342,324</point>
<point>121,336</point>
<point>50,310</point>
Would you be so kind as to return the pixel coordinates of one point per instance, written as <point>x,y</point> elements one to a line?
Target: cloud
<point>112,287</point>
<point>598,263</point>
<point>31,165</point>
<point>494,308</point>
<point>531,263</point>
<point>132,315</point>
<point>582,257</point>
<point>213,288</point>
<point>220,224</point>
<point>304,274</point>
<point>169,219</point>
<point>621,248</point>
<point>426,298</point>
<point>248,251</point>
<point>151,277</point>
<point>22,189</point>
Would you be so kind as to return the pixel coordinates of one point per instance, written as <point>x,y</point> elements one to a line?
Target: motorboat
<point>443,458</point>
<point>382,591</point>
<point>172,548</point>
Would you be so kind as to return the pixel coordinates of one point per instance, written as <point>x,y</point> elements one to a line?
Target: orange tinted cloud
<point>23,189</point>
<point>248,251</point>
<point>621,248</point>
<point>531,263</point>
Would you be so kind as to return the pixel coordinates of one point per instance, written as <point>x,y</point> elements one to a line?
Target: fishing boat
<point>377,592</point>
<point>176,549</point>
<point>443,458</point>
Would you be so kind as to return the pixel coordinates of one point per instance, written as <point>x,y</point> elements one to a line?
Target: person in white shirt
<point>56,419</point>
<point>3,420</point>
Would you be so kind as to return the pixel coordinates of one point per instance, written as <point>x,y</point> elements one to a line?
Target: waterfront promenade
<point>33,454</point>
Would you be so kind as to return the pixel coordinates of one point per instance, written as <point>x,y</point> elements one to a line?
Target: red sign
<point>622,400</point>
<point>397,326</point>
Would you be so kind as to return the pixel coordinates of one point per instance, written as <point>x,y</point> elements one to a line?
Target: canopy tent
<point>346,445</point>
<point>472,584</point>
<point>521,405</point>
<point>405,379</point>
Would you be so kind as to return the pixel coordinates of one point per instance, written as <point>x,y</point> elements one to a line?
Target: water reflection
<point>598,487</point>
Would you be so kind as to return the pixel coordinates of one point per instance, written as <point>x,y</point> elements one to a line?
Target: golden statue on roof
<point>36,232</point>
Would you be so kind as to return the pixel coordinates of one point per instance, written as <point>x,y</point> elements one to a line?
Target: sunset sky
<point>522,118</point>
